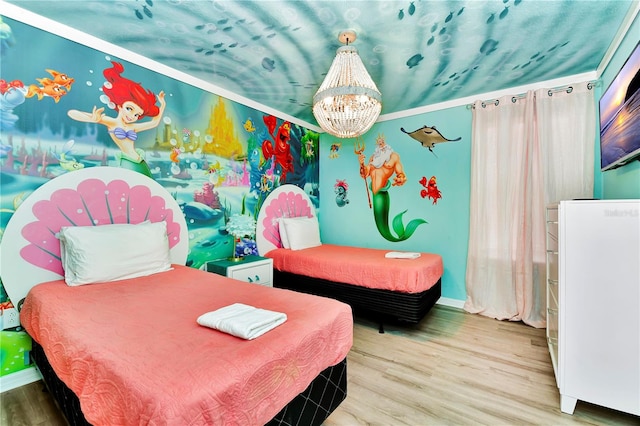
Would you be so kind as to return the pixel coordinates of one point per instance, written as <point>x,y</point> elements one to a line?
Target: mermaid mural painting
<point>132,102</point>
<point>383,164</point>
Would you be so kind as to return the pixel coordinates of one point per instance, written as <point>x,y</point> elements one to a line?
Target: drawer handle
<point>256,279</point>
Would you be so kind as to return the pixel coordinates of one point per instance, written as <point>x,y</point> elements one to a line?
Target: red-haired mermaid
<point>132,102</point>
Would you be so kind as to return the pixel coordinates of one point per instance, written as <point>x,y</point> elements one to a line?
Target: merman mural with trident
<point>383,165</point>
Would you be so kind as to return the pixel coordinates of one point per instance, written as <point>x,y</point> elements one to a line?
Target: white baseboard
<point>454,303</point>
<point>19,378</point>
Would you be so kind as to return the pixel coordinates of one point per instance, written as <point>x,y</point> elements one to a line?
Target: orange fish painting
<point>54,88</point>
<point>61,79</point>
<point>174,156</point>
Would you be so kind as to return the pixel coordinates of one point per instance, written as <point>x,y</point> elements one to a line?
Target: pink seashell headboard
<point>284,201</point>
<point>30,249</point>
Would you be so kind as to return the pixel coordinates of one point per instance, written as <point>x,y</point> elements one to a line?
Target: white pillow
<point>93,254</point>
<point>284,239</point>
<point>302,232</point>
<point>283,233</point>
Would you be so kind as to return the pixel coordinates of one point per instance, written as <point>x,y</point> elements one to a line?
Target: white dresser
<point>593,302</point>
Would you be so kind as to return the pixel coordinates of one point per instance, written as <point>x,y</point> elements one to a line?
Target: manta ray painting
<point>428,137</point>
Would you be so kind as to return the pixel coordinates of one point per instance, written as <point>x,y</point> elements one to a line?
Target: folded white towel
<point>242,320</point>
<point>402,255</point>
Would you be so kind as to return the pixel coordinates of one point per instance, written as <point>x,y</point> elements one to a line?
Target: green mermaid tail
<point>137,165</point>
<point>381,203</point>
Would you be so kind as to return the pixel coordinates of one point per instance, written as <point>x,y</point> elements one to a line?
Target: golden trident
<point>358,148</point>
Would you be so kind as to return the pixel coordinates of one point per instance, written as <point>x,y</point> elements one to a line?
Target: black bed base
<point>382,306</point>
<point>67,401</point>
<point>310,407</point>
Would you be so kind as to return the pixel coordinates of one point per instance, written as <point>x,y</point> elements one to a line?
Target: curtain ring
<point>569,89</point>
<point>514,99</point>
<point>483,105</point>
<point>496,102</point>
<point>550,93</point>
<point>590,85</point>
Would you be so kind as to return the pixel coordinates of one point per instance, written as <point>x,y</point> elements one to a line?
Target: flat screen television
<point>620,116</point>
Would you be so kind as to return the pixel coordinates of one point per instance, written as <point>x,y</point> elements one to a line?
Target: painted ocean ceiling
<point>419,53</point>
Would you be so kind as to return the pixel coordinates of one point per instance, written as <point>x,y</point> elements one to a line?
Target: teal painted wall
<point>623,182</point>
<point>447,230</point>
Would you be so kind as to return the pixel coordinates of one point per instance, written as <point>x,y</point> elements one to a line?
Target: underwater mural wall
<point>65,106</point>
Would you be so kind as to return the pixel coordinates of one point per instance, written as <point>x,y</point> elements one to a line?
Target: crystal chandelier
<point>348,102</point>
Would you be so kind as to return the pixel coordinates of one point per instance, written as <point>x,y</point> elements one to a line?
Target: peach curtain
<point>527,151</point>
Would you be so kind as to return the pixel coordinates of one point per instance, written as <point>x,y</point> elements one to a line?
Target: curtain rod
<point>550,92</point>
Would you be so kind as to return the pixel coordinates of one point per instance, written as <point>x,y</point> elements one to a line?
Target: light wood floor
<point>453,369</point>
<point>456,368</point>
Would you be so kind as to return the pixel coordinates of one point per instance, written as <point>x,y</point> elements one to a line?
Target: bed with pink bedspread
<point>133,353</point>
<point>385,289</point>
<point>129,350</point>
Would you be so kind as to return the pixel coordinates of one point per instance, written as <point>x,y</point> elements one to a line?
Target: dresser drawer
<point>256,274</point>
<point>552,242</point>
<point>552,326</point>
<point>552,336</point>
<point>552,292</point>
<point>552,265</point>
<point>552,236</point>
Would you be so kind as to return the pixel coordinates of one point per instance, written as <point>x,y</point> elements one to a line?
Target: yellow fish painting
<point>248,126</point>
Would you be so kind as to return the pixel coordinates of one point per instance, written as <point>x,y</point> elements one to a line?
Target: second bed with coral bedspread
<point>386,289</point>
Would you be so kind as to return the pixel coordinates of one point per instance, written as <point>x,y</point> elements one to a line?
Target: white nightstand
<point>253,269</point>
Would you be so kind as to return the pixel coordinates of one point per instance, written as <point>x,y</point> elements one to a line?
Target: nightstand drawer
<point>252,269</point>
<point>256,274</point>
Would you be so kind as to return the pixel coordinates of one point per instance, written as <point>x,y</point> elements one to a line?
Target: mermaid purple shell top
<point>121,133</point>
